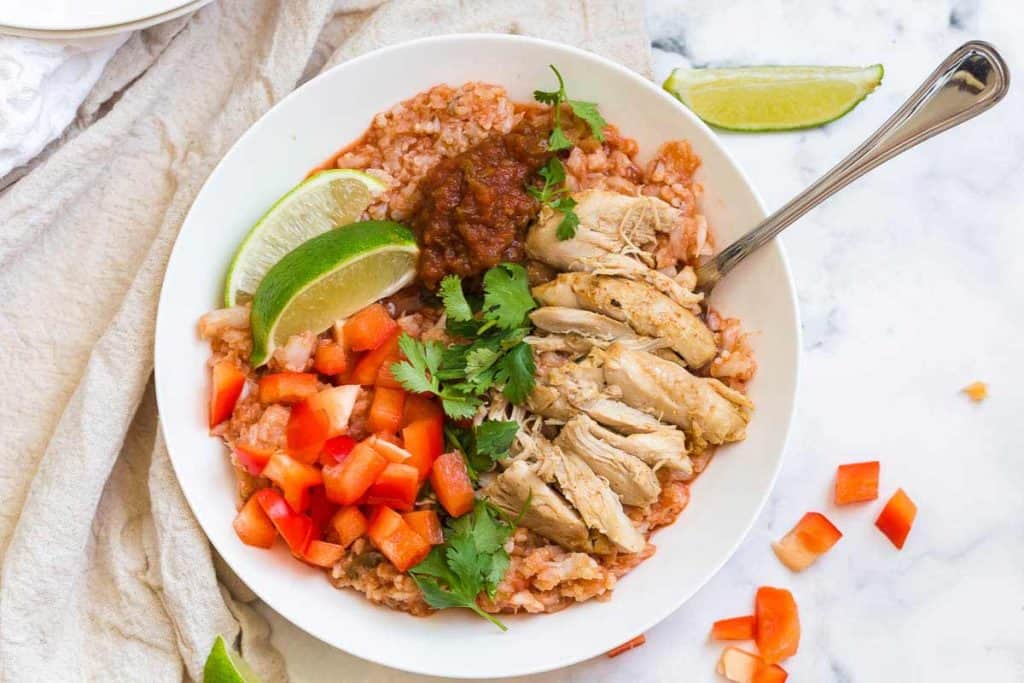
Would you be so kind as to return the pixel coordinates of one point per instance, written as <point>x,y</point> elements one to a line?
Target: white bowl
<point>303,130</point>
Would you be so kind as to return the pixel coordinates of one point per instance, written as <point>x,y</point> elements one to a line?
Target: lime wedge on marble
<point>328,278</point>
<point>224,666</point>
<point>324,201</point>
<point>762,98</point>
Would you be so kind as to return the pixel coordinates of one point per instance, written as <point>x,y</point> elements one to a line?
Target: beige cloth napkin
<point>105,573</point>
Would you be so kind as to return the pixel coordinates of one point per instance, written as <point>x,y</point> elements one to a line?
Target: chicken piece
<point>628,476</point>
<point>578,345</point>
<point>563,320</point>
<point>663,447</point>
<point>649,312</point>
<point>548,513</point>
<point>296,355</point>
<point>591,495</point>
<point>707,410</point>
<point>566,390</point>
<point>610,223</point>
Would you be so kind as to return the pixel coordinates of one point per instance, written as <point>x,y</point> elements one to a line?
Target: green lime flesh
<point>768,98</point>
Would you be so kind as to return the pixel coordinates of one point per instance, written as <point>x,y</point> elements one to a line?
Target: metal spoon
<point>972,79</point>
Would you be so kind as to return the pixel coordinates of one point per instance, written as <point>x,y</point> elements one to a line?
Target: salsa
<point>474,208</point>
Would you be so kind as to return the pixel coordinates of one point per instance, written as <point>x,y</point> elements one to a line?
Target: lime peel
<point>225,666</point>
<point>766,98</point>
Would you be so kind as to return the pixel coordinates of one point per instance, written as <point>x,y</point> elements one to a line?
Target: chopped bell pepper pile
<point>326,489</point>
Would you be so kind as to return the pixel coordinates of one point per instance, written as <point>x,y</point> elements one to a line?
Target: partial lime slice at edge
<point>768,98</point>
<point>225,666</point>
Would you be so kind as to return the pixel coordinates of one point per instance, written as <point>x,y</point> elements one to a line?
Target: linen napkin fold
<point>104,572</point>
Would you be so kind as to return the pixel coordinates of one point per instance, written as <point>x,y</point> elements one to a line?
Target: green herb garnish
<point>556,195</point>
<point>585,110</point>
<point>462,374</point>
<point>484,444</point>
<point>471,559</point>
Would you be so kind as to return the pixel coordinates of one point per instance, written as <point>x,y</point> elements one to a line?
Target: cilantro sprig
<point>584,110</point>
<point>497,357</point>
<point>484,444</point>
<point>554,194</point>
<point>471,560</point>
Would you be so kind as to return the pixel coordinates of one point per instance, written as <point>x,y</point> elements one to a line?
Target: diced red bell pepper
<point>737,628</point>
<point>296,529</point>
<point>627,646</point>
<point>294,478</point>
<point>253,526</point>
<point>396,486</point>
<point>347,481</point>
<point>741,666</point>
<point>811,538</point>
<point>307,430</point>
<point>287,387</point>
<point>778,624</point>
<point>450,480</point>
<point>419,407</point>
<point>857,482</point>
<point>226,383</point>
<point>337,404</point>
<point>426,524</point>
<point>385,378</point>
<point>897,517</point>
<point>770,673</point>
<point>323,554</point>
<point>321,510</point>
<point>368,366</point>
<point>424,440</point>
<point>386,410</point>
<point>253,459</point>
<point>349,524</point>
<point>330,359</point>
<point>384,444</point>
<point>337,449</point>
<point>368,328</point>
<point>396,540</point>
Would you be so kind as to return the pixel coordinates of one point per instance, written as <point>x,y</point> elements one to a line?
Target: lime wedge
<point>327,200</point>
<point>224,666</point>
<point>773,97</point>
<point>328,278</point>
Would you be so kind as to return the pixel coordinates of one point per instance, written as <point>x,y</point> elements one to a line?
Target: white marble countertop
<point>910,287</point>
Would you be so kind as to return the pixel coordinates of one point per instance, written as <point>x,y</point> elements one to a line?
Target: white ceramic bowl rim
<point>266,576</point>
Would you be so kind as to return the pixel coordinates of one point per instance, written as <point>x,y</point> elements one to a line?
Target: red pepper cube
<point>227,382</point>
<point>897,517</point>
<point>398,542</point>
<point>857,482</point>
<point>367,329</point>
<point>253,526</point>
<point>395,487</point>
<point>347,481</point>
<point>450,480</point>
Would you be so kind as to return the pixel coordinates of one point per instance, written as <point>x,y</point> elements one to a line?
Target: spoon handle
<point>972,79</point>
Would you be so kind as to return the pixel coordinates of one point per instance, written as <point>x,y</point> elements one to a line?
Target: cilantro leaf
<point>507,297</point>
<point>558,140</point>
<point>515,371</point>
<point>455,303</point>
<point>589,113</point>
<point>460,406</point>
<point>471,560</point>
<point>418,374</point>
<point>493,438</point>
<point>558,199</point>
